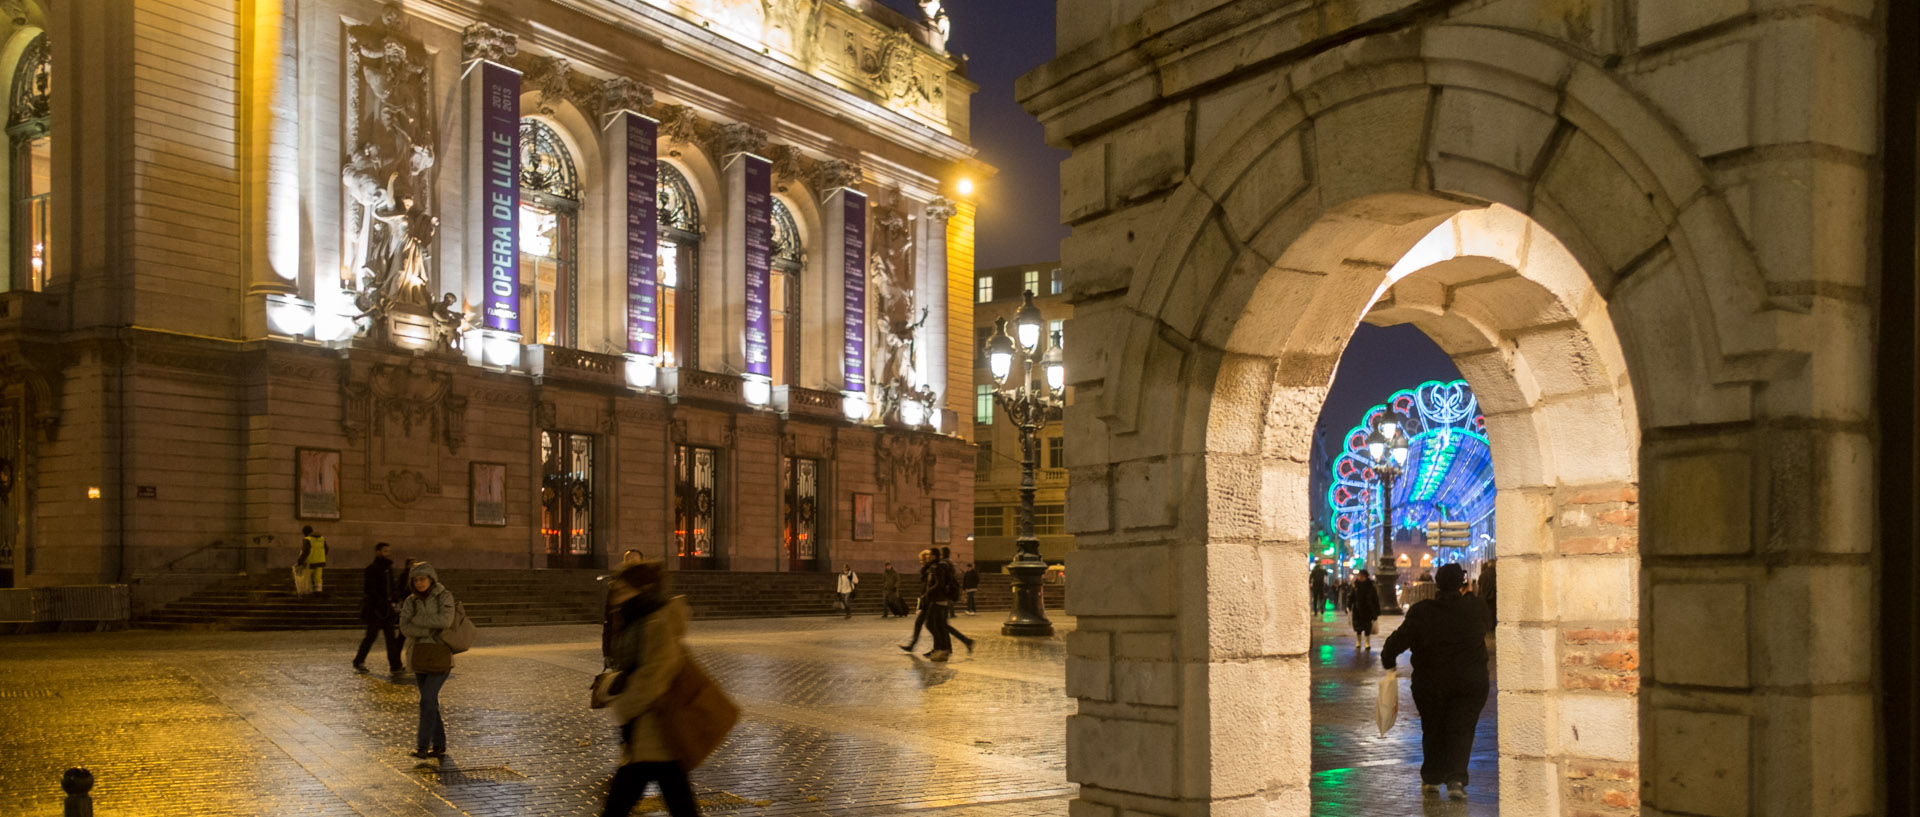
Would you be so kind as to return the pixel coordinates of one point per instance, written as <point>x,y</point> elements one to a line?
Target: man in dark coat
<point>891,604</point>
<point>377,610</point>
<point>1317,588</point>
<point>1447,635</point>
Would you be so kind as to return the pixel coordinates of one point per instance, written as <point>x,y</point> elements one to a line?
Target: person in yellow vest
<point>313,554</point>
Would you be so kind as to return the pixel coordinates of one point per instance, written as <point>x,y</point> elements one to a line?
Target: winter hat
<point>1450,577</point>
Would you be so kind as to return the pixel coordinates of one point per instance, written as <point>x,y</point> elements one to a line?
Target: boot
<point>939,655</point>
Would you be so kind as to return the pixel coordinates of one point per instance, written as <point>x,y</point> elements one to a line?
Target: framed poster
<point>487,494</point>
<point>863,517</point>
<point>317,480</point>
<point>943,521</point>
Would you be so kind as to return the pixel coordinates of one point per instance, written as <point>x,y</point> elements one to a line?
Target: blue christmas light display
<point>1449,471</point>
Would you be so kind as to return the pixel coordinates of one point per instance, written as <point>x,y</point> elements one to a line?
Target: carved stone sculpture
<point>681,124</point>
<point>403,414</point>
<point>900,315</point>
<point>389,173</point>
<point>737,137</point>
<point>904,463</point>
<point>484,42</point>
<point>624,94</point>
<point>551,75</point>
<point>829,174</point>
<point>940,209</point>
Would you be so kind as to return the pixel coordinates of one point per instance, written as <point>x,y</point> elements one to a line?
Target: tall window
<point>696,505</point>
<point>989,520</point>
<point>679,274</point>
<point>1056,452</point>
<point>566,498</point>
<point>983,404</point>
<point>983,289</point>
<point>1056,282</point>
<point>1030,281</point>
<point>1049,519</point>
<point>549,217</point>
<point>783,293</point>
<point>32,166</point>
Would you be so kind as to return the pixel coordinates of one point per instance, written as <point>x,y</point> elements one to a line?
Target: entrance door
<point>803,527</point>
<point>697,507</point>
<point>566,499</point>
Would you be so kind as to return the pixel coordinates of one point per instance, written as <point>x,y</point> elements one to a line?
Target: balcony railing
<point>807,402</point>
<point>720,388</point>
<point>561,363</point>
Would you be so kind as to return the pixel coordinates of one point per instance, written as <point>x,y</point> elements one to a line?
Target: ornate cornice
<point>481,41</point>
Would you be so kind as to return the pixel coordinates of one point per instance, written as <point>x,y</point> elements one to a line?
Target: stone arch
<point>1191,425</point>
<point>709,192</point>
<point>814,295</point>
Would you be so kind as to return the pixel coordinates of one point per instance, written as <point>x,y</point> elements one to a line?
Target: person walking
<point>1317,588</point>
<point>942,590</point>
<point>1363,608</point>
<point>848,581</point>
<point>970,582</point>
<point>1447,636</point>
<point>313,556</point>
<point>927,559</point>
<point>427,610</point>
<point>1488,589</point>
<point>890,602</point>
<point>378,610</point>
<point>648,628</point>
<point>608,607</point>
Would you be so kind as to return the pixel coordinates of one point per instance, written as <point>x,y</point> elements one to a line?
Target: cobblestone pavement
<point>838,722</point>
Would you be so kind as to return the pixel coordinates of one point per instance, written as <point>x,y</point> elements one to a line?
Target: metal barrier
<point>89,602</point>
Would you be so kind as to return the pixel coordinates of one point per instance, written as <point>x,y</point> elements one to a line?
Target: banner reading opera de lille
<point>499,91</point>
<point>643,235</point>
<point>759,257</point>
<point>854,353</point>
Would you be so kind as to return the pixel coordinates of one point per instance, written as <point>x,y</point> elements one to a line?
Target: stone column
<point>723,302</point>
<point>494,262</point>
<point>932,288</point>
<point>271,179</point>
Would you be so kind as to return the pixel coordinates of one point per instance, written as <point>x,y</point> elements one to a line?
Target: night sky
<point>1020,207</point>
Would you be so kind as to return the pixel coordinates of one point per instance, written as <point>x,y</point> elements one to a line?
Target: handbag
<point>428,658</point>
<point>695,715</point>
<point>458,636</point>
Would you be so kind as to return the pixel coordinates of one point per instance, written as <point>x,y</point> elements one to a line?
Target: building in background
<point>996,492</point>
<point>509,290</point>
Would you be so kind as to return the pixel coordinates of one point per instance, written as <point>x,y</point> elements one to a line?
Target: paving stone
<point>838,722</point>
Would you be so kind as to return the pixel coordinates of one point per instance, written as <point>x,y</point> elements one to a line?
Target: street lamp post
<point>1029,405</point>
<point>1387,446</point>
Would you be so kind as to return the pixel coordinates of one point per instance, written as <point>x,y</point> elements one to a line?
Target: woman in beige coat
<point>645,649</point>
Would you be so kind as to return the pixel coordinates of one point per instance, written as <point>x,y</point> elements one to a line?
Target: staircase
<point>495,598</point>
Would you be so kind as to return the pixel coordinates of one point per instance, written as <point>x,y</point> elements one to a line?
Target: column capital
<point>940,208</point>
<point>624,94</point>
<point>481,41</point>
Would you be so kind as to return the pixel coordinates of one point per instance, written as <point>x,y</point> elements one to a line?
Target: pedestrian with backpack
<point>436,628</point>
<point>942,594</point>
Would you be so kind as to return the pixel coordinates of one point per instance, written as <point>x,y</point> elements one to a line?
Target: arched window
<point>549,227</point>
<point>679,273</point>
<point>783,289</point>
<point>32,166</point>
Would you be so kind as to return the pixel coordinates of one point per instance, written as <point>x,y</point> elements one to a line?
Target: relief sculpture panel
<point>402,415</point>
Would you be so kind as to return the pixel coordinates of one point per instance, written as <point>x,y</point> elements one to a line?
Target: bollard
<point>77,782</point>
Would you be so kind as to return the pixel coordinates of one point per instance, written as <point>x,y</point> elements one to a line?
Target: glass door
<point>802,479</point>
<point>566,499</point>
<point>696,504</point>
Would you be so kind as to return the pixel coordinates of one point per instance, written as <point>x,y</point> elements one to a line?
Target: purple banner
<point>854,354</point>
<point>759,238</point>
<point>643,239</point>
<point>500,185</point>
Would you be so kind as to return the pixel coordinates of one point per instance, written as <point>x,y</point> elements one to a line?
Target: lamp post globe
<point>1387,445</point>
<point>1028,405</point>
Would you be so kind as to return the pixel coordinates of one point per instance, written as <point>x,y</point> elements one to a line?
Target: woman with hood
<point>1363,604</point>
<point>427,610</point>
<point>647,654</point>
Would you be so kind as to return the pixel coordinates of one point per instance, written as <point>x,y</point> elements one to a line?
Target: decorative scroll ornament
<point>738,137</point>
<point>680,124</point>
<point>551,75</point>
<point>904,463</point>
<point>940,209</point>
<point>481,41</point>
<point>624,94</point>
<point>789,165</point>
<point>890,66</point>
<point>389,175</point>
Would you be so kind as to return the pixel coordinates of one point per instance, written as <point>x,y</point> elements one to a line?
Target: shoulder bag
<point>695,715</point>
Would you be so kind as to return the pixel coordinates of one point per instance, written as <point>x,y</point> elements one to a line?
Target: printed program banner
<point>500,184</point>
<point>854,361</point>
<point>643,239</point>
<point>759,238</point>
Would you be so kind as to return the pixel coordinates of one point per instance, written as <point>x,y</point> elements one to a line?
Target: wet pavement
<point>838,721</point>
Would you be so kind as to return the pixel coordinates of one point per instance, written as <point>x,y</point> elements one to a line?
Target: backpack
<point>458,636</point>
<point>945,587</point>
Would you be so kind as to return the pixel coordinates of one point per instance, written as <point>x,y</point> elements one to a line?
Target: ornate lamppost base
<point>1029,616</point>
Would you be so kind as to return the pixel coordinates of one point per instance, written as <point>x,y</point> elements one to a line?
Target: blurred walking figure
<point>1447,635</point>
<point>379,610</point>
<point>608,608</point>
<point>313,557</point>
<point>891,604</point>
<point>1363,608</point>
<point>428,610</point>
<point>647,652</point>
<point>970,582</point>
<point>1317,588</point>
<point>848,581</point>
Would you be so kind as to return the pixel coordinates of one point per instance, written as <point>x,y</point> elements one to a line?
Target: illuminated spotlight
<point>965,186</point>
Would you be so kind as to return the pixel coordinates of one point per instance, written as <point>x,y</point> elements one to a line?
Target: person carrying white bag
<point>1447,636</point>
